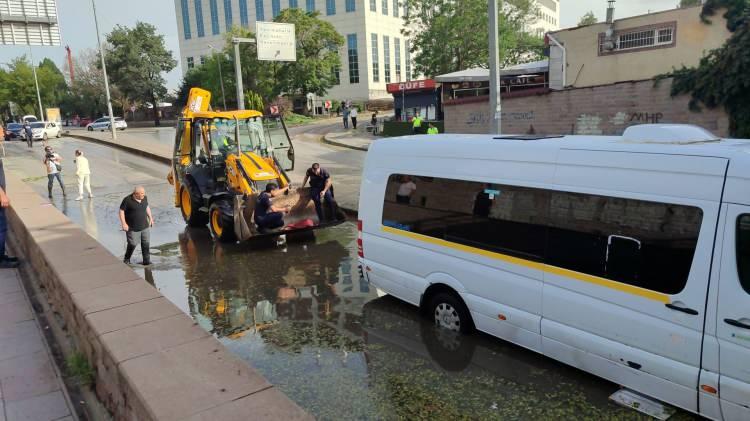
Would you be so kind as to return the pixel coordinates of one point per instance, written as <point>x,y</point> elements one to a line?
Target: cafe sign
<point>412,85</point>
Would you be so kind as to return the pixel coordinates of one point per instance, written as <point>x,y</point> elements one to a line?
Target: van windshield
<point>743,251</point>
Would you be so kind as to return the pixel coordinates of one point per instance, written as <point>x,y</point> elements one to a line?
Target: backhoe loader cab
<point>223,160</point>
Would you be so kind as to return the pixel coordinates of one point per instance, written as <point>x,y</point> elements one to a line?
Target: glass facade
<point>186,20</point>
<point>351,43</point>
<point>228,14</point>
<point>259,12</point>
<point>244,18</point>
<point>375,58</point>
<point>199,19</point>
<point>214,8</point>
<point>387,58</point>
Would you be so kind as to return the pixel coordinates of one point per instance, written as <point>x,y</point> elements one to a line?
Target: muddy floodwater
<point>303,316</point>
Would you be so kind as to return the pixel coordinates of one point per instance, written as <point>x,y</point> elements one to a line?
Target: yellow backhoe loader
<point>224,159</point>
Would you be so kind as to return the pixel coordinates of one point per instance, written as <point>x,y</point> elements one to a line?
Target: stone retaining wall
<point>152,361</point>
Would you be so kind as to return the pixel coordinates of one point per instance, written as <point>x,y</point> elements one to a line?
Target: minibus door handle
<point>682,309</point>
<point>737,323</point>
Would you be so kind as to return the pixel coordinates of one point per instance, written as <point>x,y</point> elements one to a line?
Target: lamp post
<point>495,100</point>
<point>106,80</point>
<point>36,83</point>
<point>221,78</point>
<point>238,69</point>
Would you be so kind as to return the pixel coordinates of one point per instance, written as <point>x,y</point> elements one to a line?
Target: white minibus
<point>627,257</point>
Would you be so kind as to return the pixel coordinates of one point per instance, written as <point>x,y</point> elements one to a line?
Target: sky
<point>77,23</point>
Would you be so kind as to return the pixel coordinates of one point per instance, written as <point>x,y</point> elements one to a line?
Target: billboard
<point>275,41</point>
<point>29,22</point>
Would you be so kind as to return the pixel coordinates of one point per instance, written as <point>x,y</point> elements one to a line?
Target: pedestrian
<point>405,190</point>
<point>431,129</point>
<point>29,134</point>
<point>267,216</point>
<point>416,124</point>
<point>84,174</point>
<point>6,262</point>
<point>53,163</point>
<point>321,186</point>
<point>374,123</point>
<point>346,117</point>
<point>136,221</point>
<point>353,115</point>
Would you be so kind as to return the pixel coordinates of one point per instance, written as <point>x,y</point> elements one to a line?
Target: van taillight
<point>360,250</point>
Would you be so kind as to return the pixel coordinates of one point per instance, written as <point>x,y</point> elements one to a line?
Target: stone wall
<point>600,110</point>
<point>152,361</point>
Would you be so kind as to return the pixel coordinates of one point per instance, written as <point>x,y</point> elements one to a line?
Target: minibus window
<point>743,251</point>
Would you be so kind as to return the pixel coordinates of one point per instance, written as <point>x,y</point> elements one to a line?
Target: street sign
<point>132,108</point>
<point>275,41</point>
<point>29,22</point>
<point>328,105</point>
<point>274,109</point>
<point>412,85</point>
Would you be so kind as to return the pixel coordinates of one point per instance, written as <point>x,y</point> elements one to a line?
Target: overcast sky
<point>77,22</point>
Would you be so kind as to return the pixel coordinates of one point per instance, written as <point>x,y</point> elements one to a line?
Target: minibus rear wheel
<point>448,311</point>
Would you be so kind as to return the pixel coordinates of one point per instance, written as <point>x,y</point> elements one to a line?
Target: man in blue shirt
<point>320,188</point>
<point>267,216</point>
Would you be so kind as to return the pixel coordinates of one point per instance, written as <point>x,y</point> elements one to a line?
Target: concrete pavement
<point>30,383</point>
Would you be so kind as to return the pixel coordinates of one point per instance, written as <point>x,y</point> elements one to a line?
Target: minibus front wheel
<point>448,311</point>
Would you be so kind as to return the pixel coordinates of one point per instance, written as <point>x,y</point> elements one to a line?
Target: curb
<point>343,145</point>
<point>120,146</point>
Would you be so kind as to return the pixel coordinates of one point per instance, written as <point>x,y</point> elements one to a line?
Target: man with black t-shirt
<point>136,219</point>
<point>320,189</point>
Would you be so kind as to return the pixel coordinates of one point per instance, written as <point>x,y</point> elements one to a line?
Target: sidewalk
<point>30,386</point>
<point>351,139</point>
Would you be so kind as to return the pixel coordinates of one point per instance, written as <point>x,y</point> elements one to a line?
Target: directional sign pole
<point>238,69</point>
<point>36,83</point>
<point>106,80</point>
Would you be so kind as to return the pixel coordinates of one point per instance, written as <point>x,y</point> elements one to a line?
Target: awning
<point>479,74</point>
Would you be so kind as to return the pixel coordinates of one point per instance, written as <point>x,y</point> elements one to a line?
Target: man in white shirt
<point>405,190</point>
<point>84,174</point>
<point>353,115</point>
<point>52,161</point>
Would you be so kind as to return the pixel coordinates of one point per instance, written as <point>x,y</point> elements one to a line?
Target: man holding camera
<point>53,162</point>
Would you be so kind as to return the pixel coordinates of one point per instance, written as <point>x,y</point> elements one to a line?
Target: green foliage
<point>17,85</point>
<point>448,36</point>
<point>86,97</point>
<point>253,101</point>
<point>77,366</point>
<point>589,19</point>
<point>736,14</point>
<point>292,119</point>
<point>318,43</point>
<point>689,3</point>
<point>206,76</point>
<point>136,59</point>
<point>720,80</point>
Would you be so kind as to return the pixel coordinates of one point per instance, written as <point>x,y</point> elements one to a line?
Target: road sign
<point>328,105</point>
<point>275,41</point>
<point>274,109</point>
<point>29,22</point>
<point>132,108</point>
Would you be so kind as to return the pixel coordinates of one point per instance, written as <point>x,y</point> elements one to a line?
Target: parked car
<point>103,124</point>
<point>29,118</point>
<point>42,130</point>
<point>83,122</point>
<point>13,131</point>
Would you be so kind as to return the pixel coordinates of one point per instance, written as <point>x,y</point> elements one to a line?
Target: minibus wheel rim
<point>447,317</point>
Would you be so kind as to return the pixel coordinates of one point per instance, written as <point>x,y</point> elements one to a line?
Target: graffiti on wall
<point>652,118</point>
<point>588,125</point>
<point>480,118</point>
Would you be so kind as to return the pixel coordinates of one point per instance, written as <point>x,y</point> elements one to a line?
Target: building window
<point>387,58</point>
<point>743,251</point>
<point>662,36</point>
<point>407,59</point>
<point>275,8</point>
<point>293,4</point>
<point>635,242</point>
<point>351,6</point>
<point>330,7</point>
<point>384,6</point>
<point>259,12</point>
<point>373,5</point>
<point>190,63</point>
<point>186,20</point>
<point>395,8</point>
<point>351,42</point>
<point>406,8</point>
<point>199,19</point>
<point>397,57</point>
<point>214,7</point>
<point>310,5</point>
<point>336,75</point>
<point>203,60</point>
<point>244,19</point>
<point>228,14</point>
<point>375,58</point>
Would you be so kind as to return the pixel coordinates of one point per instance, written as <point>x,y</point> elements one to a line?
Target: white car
<point>43,130</point>
<point>103,124</point>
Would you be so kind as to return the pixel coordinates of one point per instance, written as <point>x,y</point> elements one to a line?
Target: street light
<point>36,83</point>
<point>106,80</point>
<point>495,100</point>
<point>238,69</point>
<point>221,78</point>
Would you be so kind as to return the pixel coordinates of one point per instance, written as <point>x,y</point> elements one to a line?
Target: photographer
<point>54,169</point>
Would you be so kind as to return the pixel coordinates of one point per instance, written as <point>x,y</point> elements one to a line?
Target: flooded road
<point>302,315</point>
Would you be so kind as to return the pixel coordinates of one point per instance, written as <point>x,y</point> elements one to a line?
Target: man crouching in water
<point>268,216</point>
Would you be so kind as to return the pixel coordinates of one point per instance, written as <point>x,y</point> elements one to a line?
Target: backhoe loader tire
<point>190,205</point>
<point>221,221</point>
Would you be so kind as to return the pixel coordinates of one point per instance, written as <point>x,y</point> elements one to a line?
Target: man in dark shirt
<point>136,219</point>
<point>6,262</point>
<point>320,188</point>
<point>267,216</point>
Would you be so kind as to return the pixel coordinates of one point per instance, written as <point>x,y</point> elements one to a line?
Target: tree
<point>588,19</point>
<point>448,36</point>
<point>136,59</point>
<point>17,85</point>
<point>720,79</point>
<point>318,44</point>
<point>690,3</point>
<point>206,76</point>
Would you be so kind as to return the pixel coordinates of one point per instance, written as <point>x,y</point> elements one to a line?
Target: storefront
<point>416,97</point>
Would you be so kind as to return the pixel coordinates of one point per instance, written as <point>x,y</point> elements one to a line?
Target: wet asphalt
<point>302,315</point>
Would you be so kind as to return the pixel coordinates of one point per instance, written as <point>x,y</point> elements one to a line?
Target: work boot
<point>49,193</point>
<point>126,261</point>
<point>7,264</point>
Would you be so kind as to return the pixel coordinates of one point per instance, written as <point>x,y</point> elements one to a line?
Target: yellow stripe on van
<point>596,280</point>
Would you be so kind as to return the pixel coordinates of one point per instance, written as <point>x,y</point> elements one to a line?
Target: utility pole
<point>238,69</point>
<point>495,100</point>
<point>106,80</point>
<point>221,78</point>
<point>36,83</point>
